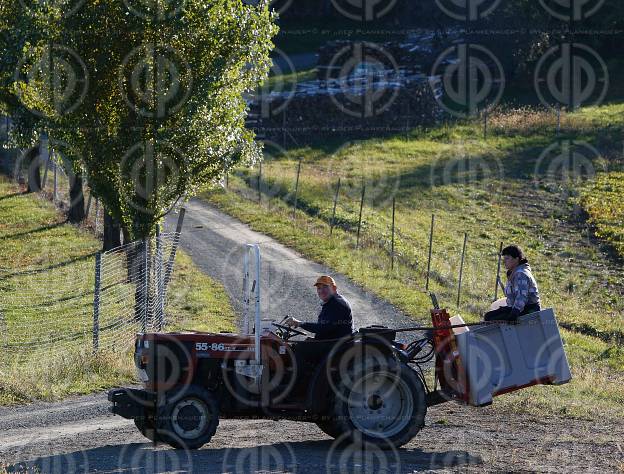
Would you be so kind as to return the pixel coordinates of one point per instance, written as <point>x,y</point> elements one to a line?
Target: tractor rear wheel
<point>381,402</point>
<point>189,419</point>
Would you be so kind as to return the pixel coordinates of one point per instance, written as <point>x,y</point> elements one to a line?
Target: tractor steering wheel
<point>287,332</point>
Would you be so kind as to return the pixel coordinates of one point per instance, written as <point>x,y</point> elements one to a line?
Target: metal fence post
<point>485,122</point>
<point>174,249</point>
<point>498,272</point>
<point>392,242</point>
<point>357,242</point>
<point>296,189</point>
<point>96,301</point>
<point>461,269</point>
<point>260,183</point>
<point>159,282</point>
<point>430,248</point>
<point>146,273</point>
<point>333,219</point>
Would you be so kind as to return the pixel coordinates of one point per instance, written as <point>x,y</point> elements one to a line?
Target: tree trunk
<point>33,162</point>
<point>112,228</point>
<point>76,213</point>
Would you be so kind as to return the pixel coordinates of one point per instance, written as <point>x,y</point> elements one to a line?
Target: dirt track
<point>79,435</point>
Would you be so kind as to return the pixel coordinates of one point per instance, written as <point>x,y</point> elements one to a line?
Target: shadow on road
<point>306,456</point>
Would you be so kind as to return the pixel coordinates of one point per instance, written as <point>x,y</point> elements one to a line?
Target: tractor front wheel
<point>147,427</point>
<point>189,419</point>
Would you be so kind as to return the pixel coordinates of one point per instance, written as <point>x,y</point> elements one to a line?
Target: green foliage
<point>157,105</point>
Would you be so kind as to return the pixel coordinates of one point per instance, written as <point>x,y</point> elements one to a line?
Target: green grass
<point>603,199</point>
<point>495,190</point>
<point>285,81</point>
<point>46,293</point>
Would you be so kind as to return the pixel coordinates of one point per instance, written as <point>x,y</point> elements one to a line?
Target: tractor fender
<point>318,401</point>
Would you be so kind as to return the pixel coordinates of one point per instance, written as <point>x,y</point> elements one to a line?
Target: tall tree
<point>147,98</point>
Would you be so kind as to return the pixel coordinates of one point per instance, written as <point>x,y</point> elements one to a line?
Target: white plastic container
<point>501,358</point>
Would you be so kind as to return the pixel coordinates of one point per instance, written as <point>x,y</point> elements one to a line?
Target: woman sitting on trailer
<point>521,289</point>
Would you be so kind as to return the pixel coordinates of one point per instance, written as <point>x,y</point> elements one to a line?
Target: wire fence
<point>47,171</point>
<point>96,302</point>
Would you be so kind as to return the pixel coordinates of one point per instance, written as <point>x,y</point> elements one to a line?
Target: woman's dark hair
<point>515,252</point>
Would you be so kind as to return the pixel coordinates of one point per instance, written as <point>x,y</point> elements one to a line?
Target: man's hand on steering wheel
<point>291,322</point>
<point>286,328</point>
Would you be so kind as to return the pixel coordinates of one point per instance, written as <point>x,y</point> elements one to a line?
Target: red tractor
<point>366,388</point>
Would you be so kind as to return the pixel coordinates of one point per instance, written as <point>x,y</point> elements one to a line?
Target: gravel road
<point>79,435</point>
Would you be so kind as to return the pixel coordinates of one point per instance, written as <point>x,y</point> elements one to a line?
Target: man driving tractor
<point>335,320</point>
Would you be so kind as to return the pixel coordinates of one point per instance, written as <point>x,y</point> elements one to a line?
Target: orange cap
<point>325,280</point>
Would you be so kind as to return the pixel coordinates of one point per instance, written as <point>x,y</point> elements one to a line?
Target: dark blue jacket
<point>334,321</point>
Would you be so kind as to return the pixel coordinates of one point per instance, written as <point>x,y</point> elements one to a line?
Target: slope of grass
<point>46,298</point>
<point>508,188</point>
<point>603,199</point>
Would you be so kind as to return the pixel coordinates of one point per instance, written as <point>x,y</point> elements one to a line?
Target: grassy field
<point>518,186</point>
<point>603,199</point>
<point>46,297</point>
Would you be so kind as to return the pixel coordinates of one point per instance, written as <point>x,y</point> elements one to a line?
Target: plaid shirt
<point>521,288</point>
